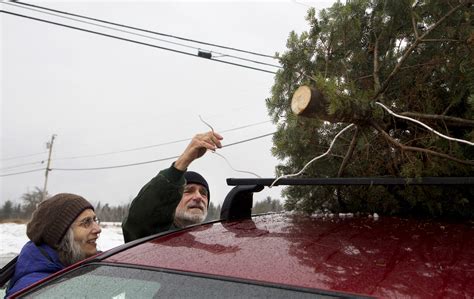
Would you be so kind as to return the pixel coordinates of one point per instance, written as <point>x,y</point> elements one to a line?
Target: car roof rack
<point>354,181</point>
<point>239,201</point>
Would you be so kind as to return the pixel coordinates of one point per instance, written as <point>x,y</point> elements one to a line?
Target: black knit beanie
<point>52,218</point>
<point>195,178</point>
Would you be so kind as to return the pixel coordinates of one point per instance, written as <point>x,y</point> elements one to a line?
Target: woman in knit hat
<point>62,231</point>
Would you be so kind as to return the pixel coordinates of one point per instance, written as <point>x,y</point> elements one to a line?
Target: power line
<point>21,165</point>
<point>144,30</point>
<point>22,172</point>
<point>137,148</point>
<point>123,151</point>
<point>142,35</point>
<point>130,164</point>
<point>247,140</point>
<point>246,126</point>
<point>117,166</point>
<point>24,156</point>
<point>156,145</point>
<point>133,41</point>
<point>153,161</point>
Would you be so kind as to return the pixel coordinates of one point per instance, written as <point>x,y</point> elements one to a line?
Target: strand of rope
<point>222,156</point>
<point>410,119</point>
<point>312,160</point>
<point>391,113</point>
<point>206,123</point>
<point>422,124</point>
<point>234,169</point>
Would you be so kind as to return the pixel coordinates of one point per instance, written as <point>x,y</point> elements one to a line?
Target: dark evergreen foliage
<point>415,57</point>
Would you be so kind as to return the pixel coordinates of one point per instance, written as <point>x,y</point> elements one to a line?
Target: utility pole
<point>49,146</point>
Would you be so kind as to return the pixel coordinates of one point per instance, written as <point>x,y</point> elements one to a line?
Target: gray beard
<point>185,218</point>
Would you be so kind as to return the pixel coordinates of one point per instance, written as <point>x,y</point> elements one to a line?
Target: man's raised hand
<point>197,148</point>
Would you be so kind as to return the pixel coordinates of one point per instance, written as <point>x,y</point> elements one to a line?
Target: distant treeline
<point>106,213</point>
<point>22,212</point>
<point>11,211</point>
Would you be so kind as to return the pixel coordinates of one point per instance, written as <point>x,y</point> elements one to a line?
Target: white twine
<point>422,124</point>
<point>222,156</point>
<point>314,159</point>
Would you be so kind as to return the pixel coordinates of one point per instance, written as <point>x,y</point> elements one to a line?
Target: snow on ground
<point>13,237</point>
<point>111,235</point>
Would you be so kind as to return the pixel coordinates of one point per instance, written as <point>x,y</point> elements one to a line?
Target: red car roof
<point>388,257</point>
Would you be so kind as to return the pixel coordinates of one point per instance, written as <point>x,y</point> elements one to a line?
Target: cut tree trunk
<point>311,102</point>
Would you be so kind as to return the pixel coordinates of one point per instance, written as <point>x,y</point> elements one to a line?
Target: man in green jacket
<point>175,198</point>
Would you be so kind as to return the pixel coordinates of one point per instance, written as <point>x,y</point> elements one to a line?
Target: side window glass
<point>100,282</point>
<point>106,281</point>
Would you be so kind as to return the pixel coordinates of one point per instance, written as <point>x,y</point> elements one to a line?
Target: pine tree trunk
<point>311,102</point>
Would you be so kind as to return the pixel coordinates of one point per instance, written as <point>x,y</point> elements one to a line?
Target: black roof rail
<point>239,201</point>
<point>354,181</point>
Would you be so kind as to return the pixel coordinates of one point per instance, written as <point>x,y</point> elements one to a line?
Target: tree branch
<point>328,54</point>
<point>413,22</point>
<point>418,149</point>
<point>349,153</point>
<point>403,68</point>
<point>376,64</point>
<point>454,121</point>
<point>407,53</point>
<point>440,40</point>
<point>432,63</point>
<point>364,77</point>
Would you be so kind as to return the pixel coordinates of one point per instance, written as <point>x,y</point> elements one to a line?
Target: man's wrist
<point>181,164</point>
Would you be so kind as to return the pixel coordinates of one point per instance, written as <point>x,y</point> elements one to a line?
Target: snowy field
<point>13,237</point>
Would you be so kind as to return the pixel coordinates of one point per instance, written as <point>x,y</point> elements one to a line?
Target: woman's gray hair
<point>69,250</point>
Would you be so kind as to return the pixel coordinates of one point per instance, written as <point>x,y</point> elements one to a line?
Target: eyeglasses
<point>87,222</point>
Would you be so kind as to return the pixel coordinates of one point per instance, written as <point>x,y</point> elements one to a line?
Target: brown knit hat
<point>53,217</point>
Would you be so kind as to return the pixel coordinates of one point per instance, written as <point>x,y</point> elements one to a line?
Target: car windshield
<point>106,281</point>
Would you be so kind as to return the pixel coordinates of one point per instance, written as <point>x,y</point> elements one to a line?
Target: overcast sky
<point>101,95</point>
